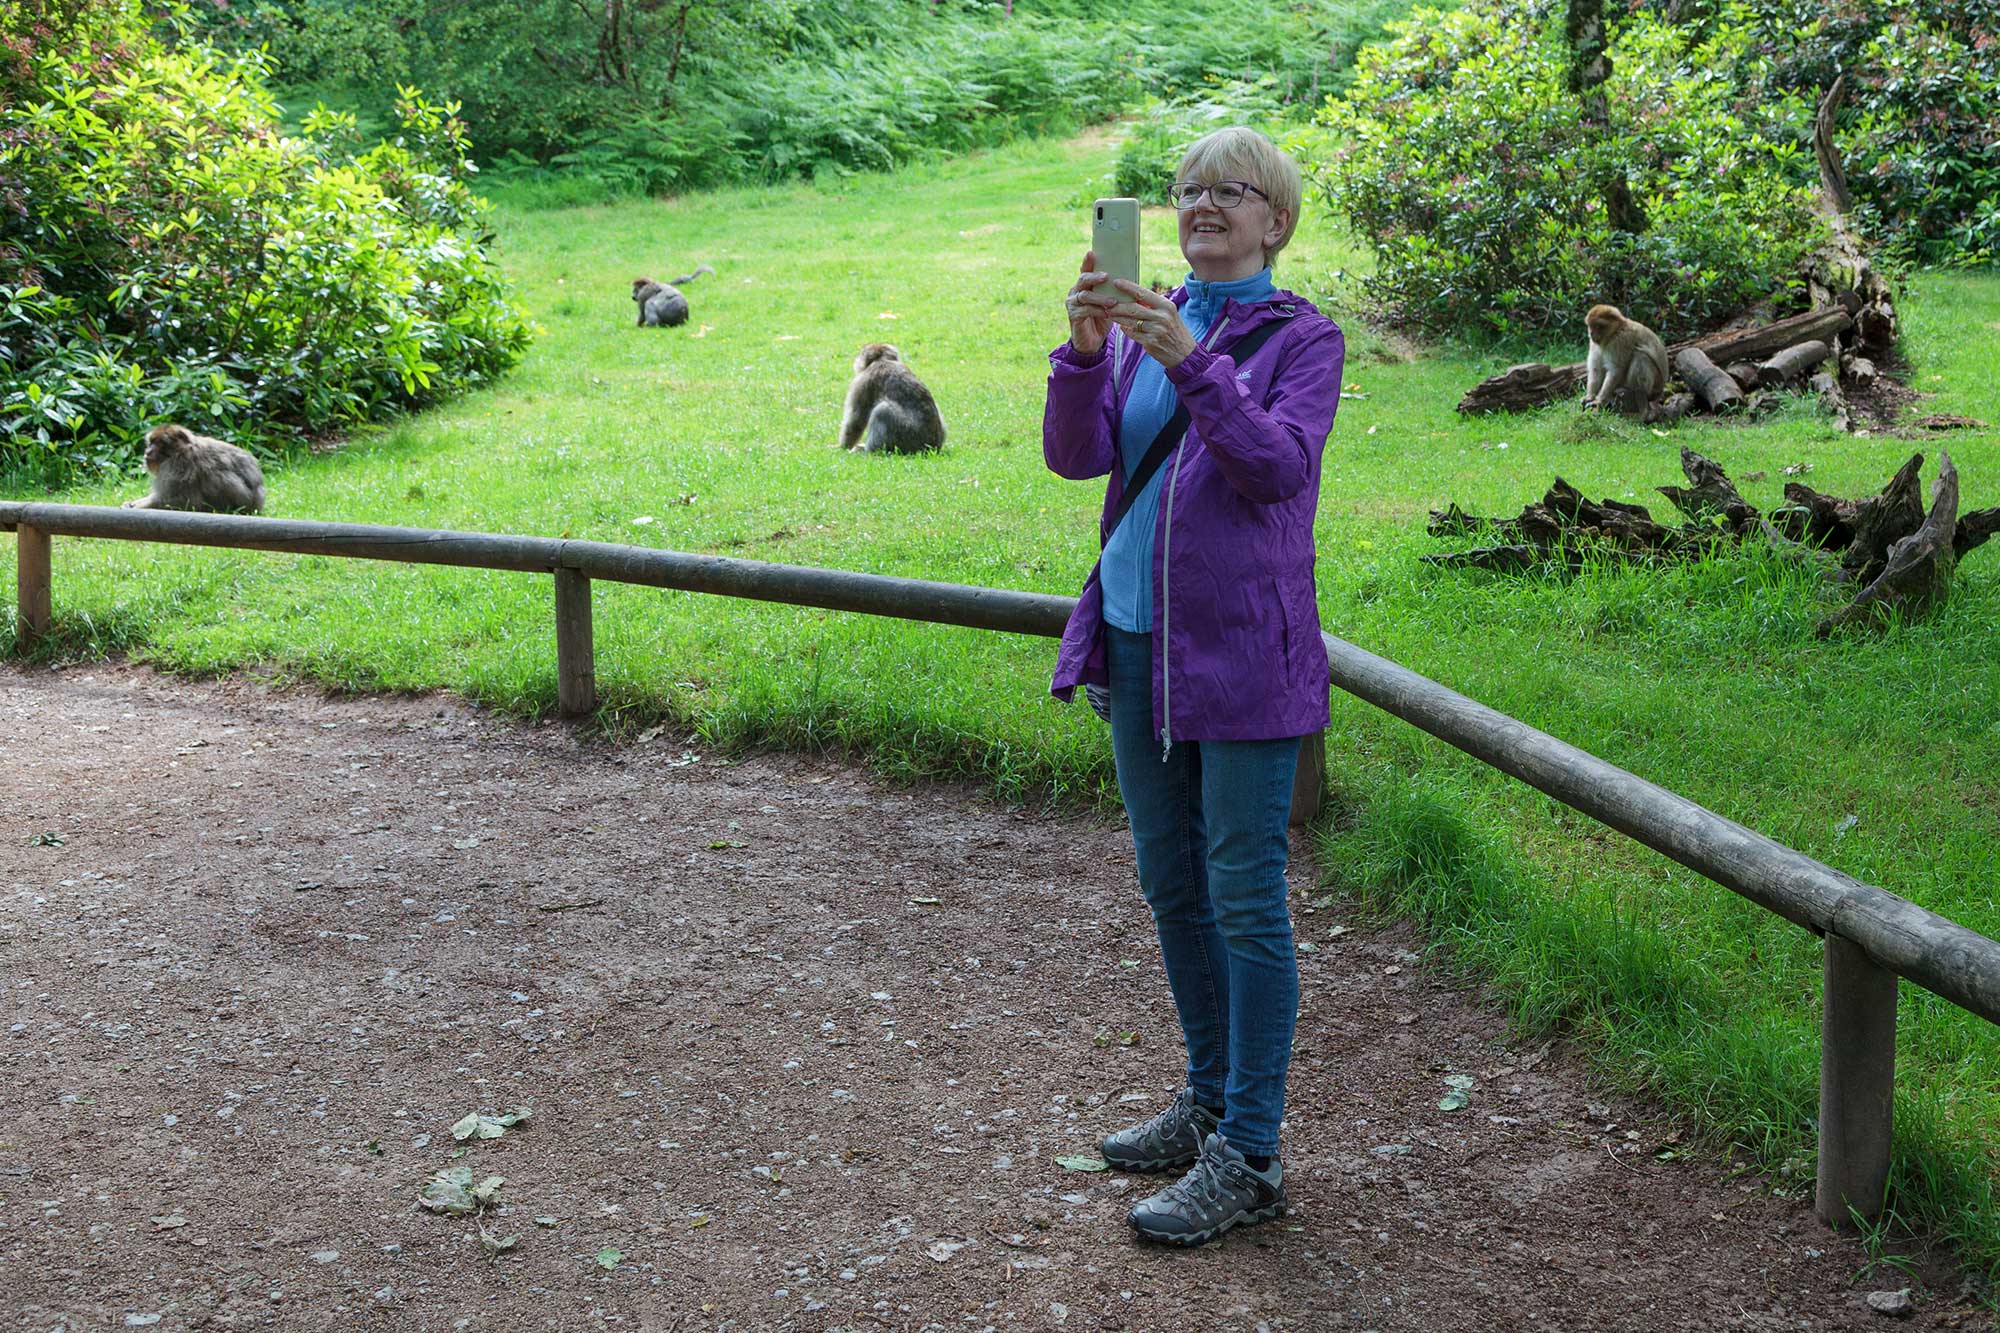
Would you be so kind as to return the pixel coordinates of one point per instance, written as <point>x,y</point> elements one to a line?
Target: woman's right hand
<point>1088,307</point>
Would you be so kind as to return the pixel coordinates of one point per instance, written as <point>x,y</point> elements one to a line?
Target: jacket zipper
<point>1166,551</point>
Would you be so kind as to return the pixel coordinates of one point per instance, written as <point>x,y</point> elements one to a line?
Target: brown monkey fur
<point>191,471</point>
<point>1627,366</point>
<point>888,408</point>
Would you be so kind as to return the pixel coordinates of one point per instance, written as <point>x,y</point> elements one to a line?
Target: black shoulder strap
<point>1170,434</point>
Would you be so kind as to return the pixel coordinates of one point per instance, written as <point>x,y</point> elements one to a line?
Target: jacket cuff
<point>1192,367</point>
<point>1067,355</point>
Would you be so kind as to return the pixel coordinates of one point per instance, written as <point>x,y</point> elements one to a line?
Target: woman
<point>1202,622</point>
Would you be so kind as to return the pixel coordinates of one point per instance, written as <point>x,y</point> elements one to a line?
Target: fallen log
<point>1744,373</point>
<point>1917,574</point>
<point>1822,324</point>
<point>1525,386</point>
<point>1791,363</point>
<point>1535,383</point>
<point>1717,391</point>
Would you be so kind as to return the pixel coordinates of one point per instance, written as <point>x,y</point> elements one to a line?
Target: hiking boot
<point>1220,1192</point>
<point>1170,1141</point>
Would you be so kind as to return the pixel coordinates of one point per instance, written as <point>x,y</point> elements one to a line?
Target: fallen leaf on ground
<point>608,1258</point>
<point>485,1125</point>
<point>1083,1163</point>
<point>450,1192</point>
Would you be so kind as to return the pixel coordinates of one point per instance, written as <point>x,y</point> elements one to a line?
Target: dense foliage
<point>1919,132</point>
<point>645,97</point>
<point>166,253</point>
<point>1461,156</point>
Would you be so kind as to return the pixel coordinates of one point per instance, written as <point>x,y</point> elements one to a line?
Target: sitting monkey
<point>1627,366</point>
<point>192,471</point>
<point>888,408</point>
<point>660,303</point>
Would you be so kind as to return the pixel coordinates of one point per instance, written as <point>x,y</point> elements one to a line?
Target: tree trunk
<point>1589,67</point>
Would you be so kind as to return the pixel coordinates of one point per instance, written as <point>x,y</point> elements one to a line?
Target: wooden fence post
<point>576,659</point>
<point>32,587</point>
<point>1309,782</point>
<point>1857,1084</point>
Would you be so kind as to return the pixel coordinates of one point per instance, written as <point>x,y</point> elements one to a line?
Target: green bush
<point>1462,158</point>
<point>166,252</point>
<point>1919,133</point>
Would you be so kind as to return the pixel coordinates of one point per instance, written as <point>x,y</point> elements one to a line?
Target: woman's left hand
<point>1153,322</point>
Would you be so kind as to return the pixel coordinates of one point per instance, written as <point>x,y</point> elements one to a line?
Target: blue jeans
<point>1208,824</point>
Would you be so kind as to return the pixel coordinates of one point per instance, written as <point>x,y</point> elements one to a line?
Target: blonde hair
<point>1243,154</point>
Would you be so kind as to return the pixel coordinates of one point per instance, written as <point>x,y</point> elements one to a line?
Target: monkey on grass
<point>888,408</point>
<point>1627,366</point>
<point>191,471</point>
<point>660,303</point>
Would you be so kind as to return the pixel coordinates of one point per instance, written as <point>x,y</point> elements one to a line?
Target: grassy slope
<point>1708,681</point>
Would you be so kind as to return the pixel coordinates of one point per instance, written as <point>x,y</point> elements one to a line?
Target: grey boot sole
<point>1190,1239</point>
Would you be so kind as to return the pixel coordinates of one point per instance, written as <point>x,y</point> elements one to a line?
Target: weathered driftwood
<point>1973,530</point>
<point>1525,386</point>
<point>1535,383</point>
<point>1791,363</point>
<point>1717,391</point>
<point>1917,573</point>
<point>1710,498</point>
<point>1565,527</point>
<point>1900,556</point>
<point>1880,521</point>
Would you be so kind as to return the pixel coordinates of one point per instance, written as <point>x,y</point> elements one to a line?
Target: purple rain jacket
<point>1233,595</point>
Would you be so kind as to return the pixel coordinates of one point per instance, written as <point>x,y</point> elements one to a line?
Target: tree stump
<point>1917,573</point>
<point>1882,520</point>
<point>1710,497</point>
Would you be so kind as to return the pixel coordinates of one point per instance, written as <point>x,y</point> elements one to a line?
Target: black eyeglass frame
<point>1209,189</point>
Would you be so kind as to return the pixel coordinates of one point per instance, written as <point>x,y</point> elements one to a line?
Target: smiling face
<point>1222,244</point>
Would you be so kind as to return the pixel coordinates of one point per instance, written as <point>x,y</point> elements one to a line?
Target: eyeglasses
<point>1223,194</point>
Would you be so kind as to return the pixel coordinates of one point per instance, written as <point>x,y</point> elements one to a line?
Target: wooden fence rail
<point>1872,936</point>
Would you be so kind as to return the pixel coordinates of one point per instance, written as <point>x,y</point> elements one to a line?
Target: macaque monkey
<point>1627,367</point>
<point>660,303</point>
<point>888,408</point>
<point>191,471</point>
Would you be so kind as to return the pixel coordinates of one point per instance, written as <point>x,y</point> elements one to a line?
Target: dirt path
<point>800,1046</point>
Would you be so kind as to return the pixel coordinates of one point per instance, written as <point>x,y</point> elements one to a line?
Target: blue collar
<point>1205,299</point>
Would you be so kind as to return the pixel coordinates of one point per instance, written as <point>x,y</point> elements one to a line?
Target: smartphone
<point>1114,234</point>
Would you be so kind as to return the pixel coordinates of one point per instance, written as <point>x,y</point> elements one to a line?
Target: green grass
<point>1707,680</point>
